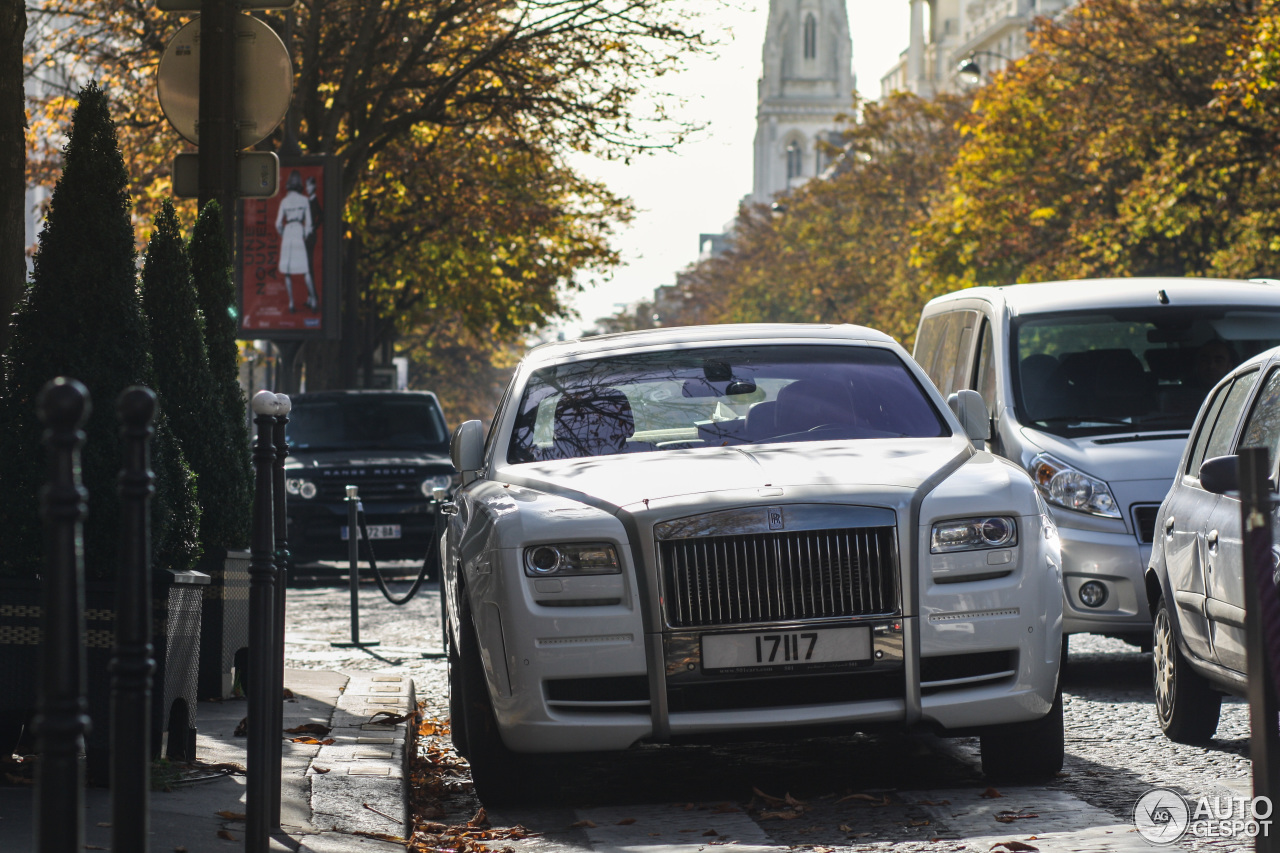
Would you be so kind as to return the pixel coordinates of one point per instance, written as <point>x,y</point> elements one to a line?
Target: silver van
<point>1093,386</point>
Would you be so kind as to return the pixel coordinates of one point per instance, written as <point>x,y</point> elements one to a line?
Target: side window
<point>928,339</point>
<point>1219,443</point>
<point>985,378</point>
<point>943,349</point>
<point>1263,427</point>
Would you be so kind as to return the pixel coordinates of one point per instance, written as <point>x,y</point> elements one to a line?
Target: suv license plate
<point>761,651</point>
<point>377,531</point>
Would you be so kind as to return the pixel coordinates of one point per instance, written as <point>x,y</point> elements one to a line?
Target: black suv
<point>392,445</point>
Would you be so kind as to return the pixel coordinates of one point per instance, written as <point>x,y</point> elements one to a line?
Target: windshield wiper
<point>1085,419</point>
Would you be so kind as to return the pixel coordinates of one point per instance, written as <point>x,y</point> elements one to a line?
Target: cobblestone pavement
<point>860,792</point>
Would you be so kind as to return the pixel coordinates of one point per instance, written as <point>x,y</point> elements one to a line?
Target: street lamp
<point>970,72</point>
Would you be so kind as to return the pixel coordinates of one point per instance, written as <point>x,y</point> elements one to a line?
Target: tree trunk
<point>13,181</point>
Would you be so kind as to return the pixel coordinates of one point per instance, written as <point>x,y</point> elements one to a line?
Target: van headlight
<point>577,558</point>
<point>1064,486</point>
<point>973,534</point>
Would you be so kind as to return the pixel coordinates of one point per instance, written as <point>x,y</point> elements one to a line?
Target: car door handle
<point>449,508</point>
<point>1211,539</point>
<point>1168,526</point>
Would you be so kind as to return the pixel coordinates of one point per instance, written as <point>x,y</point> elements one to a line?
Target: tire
<point>1187,706</point>
<point>1064,655</point>
<point>1026,752</point>
<point>501,777</point>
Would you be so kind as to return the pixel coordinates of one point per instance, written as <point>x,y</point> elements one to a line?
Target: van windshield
<point>366,422</point>
<point>1148,369</point>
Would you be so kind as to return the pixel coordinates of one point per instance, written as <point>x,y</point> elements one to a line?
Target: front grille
<point>371,489</point>
<point>774,577</point>
<point>789,691</point>
<point>1144,522</point>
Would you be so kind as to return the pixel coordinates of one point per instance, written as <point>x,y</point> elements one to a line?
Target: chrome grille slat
<point>772,577</point>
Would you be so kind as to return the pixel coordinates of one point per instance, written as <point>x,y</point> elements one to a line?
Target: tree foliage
<point>457,113</point>
<point>1137,138</point>
<point>81,317</point>
<point>837,249</point>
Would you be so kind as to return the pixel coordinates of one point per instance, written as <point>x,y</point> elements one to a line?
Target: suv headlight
<point>973,534</point>
<point>302,488</point>
<point>578,558</point>
<point>436,481</point>
<point>1064,486</point>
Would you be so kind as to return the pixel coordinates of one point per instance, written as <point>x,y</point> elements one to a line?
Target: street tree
<point>13,161</point>
<point>381,85</point>
<point>1136,138</point>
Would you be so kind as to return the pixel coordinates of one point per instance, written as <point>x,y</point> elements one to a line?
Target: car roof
<point>676,336</point>
<point>358,392</point>
<point>1054,296</point>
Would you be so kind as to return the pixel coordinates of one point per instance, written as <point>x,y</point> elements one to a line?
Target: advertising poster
<point>285,255</point>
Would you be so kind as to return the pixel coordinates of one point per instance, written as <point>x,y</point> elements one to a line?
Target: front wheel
<point>1029,751</point>
<point>1187,706</point>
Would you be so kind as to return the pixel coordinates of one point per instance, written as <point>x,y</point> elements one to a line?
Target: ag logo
<point>1161,816</point>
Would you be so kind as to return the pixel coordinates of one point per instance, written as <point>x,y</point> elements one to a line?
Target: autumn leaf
<point>991,794</point>
<point>242,728</point>
<point>226,836</point>
<point>230,815</point>
<point>319,769</point>
<point>584,824</point>
<point>710,832</point>
<point>626,821</point>
<point>882,800</point>
<point>310,729</point>
<point>1010,817</point>
<point>1015,846</point>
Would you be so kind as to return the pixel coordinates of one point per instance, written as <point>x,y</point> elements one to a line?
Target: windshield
<point>366,422</point>
<point>719,397</point>
<point>1088,373</point>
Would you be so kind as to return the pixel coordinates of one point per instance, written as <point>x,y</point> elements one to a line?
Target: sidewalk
<point>329,793</point>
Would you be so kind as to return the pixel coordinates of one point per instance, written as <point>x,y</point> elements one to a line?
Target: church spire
<point>807,81</point>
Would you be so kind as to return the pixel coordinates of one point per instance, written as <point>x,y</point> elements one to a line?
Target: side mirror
<point>972,413</point>
<point>1220,474</point>
<point>466,449</point>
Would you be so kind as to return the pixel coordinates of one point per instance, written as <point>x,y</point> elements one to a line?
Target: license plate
<point>377,531</point>
<point>762,651</point>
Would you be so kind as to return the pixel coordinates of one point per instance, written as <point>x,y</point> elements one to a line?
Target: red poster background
<point>265,295</point>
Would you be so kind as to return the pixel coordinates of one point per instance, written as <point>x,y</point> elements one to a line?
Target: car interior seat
<point>1046,394</point>
<point>1110,383</point>
<point>809,403</point>
<point>592,423</point>
<point>762,421</point>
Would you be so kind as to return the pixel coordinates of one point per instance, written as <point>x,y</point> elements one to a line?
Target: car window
<point>719,397</point>
<point>1225,428</point>
<point>1263,427</point>
<point>366,421</point>
<point>1105,371</point>
<point>985,383</point>
<point>1206,428</point>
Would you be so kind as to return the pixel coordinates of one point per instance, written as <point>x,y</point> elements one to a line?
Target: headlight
<point>971,534</point>
<point>1064,486</point>
<point>302,488</point>
<point>585,558</point>
<point>436,481</point>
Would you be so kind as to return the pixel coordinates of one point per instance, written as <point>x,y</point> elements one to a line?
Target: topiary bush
<point>81,316</point>
<point>226,493</point>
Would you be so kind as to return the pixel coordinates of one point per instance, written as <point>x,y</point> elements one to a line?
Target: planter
<point>176,598</point>
<point>224,622</point>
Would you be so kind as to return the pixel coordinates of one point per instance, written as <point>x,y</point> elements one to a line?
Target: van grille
<point>775,577</point>
<point>1144,522</point>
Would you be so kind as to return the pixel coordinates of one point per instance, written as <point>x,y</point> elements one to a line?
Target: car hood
<point>618,481</point>
<point>1113,458</point>
<point>363,458</point>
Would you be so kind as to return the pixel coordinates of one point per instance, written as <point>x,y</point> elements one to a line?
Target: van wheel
<point>1025,752</point>
<point>1187,706</point>
<point>501,777</point>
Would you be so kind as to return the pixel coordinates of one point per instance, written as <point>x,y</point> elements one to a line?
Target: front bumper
<point>1117,561</point>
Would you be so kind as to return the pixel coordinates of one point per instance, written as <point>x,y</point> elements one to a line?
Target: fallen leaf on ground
<point>310,729</point>
<point>782,814</point>
<point>319,769</point>
<point>933,802</point>
<point>710,832</point>
<point>481,818</point>
<point>242,728</point>
<point>229,815</point>
<point>226,836</point>
<point>584,823</point>
<point>1010,817</point>
<point>1015,846</point>
<point>725,808</point>
<point>882,800</point>
<point>990,794</point>
<point>626,821</point>
<point>288,694</point>
<point>919,823</point>
<point>846,828</point>
<point>391,717</point>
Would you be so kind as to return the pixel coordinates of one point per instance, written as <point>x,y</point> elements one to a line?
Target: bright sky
<point>696,189</point>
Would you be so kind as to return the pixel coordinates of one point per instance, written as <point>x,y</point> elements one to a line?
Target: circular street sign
<point>263,81</point>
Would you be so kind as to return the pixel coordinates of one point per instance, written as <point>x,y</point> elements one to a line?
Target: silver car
<point>1092,387</point>
<point>694,533</point>
<point>1195,580</point>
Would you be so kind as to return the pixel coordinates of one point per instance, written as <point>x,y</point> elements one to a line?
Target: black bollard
<point>353,577</point>
<point>282,573</point>
<point>262,570</point>
<point>133,659</point>
<point>1262,628</point>
<point>61,720</point>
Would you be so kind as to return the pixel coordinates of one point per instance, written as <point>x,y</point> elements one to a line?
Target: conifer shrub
<point>226,493</point>
<point>81,316</point>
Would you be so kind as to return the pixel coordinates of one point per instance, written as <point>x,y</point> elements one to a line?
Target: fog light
<point>1093,594</point>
